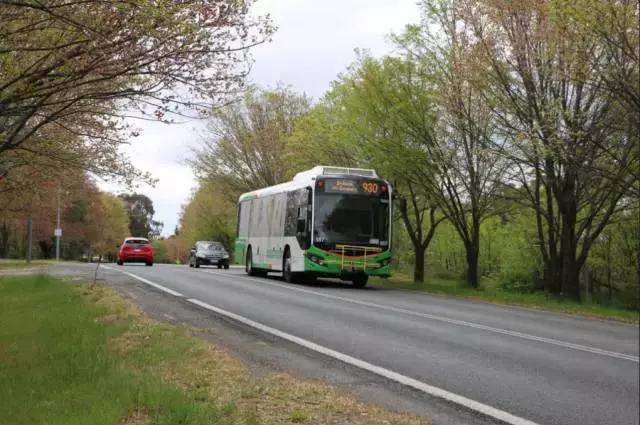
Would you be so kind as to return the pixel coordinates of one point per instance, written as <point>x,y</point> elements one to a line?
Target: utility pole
<point>58,231</point>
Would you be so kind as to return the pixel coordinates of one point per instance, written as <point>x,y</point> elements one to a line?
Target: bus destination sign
<point>366,187</point>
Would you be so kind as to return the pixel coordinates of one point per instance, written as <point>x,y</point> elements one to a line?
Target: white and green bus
<point>327,221</point>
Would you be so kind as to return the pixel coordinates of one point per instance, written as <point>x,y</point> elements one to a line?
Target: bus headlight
<point>385,262</point>
<point>316,259</point>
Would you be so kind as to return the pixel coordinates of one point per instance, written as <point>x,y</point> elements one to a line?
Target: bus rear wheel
<point>360,281</point>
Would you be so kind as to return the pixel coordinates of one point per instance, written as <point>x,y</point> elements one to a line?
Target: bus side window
<point>244,215</point>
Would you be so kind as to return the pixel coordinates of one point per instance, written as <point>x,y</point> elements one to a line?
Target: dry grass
<point>137,417</point>
<point>21,265</point>
<point>210,374</point>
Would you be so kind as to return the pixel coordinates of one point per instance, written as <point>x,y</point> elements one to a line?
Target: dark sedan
<point>209,253</point>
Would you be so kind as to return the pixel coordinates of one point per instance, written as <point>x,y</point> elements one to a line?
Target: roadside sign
<point>57,232</point>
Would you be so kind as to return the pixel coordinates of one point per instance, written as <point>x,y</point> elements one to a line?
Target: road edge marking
<point>378,370</point>
<point>148,282</point>
<point>551,341</point>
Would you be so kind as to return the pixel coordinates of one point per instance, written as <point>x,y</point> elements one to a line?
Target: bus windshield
<point>350,220</point>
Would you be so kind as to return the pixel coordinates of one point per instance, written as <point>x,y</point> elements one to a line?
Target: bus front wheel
<point>289,276</point>
<point>249,264</point>
<point>360,281</point>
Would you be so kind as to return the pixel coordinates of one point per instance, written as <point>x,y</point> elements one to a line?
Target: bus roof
<point>306,178</point>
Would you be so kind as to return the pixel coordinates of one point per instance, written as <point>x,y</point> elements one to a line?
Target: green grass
<point>492,292</point>
<point>80,354</point>
<point>298,416</point>
<point>20,264</point>
<point>56,366</point>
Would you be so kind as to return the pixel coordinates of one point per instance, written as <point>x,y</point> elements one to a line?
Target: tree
<point>430,130</point>
<point>574,142</point>
<point>109,224</point>
<point>420,227</point>
<point>207,216</point>
<point>38,199</point>
<point>71,71</point>
<point>246,147</point>
<point>156,229</point>
<point>466,171</point>
<point>140,210</point>
<point>325,134</point>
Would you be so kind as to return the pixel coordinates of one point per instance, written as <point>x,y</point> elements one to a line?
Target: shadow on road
<point>324,283</point>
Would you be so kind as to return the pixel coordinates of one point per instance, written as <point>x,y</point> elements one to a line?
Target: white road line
<point>386,373</point>
<point>148,282</point>
<point>521,335</point>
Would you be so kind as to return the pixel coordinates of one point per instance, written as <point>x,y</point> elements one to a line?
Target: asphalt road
<point>541,367</point>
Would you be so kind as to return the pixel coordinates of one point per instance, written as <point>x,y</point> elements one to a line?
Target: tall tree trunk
<point>472,266</point>
<point>570,277</point>
<point>472,248</point>
<point>4,240</point>
<point>418,264</point>
<point>553,274</point>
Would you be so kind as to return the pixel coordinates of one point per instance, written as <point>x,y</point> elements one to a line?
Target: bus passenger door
<point>276,231</point>
<point>297,228</point>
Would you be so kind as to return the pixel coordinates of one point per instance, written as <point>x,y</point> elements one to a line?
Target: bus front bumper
<point>346,270</point>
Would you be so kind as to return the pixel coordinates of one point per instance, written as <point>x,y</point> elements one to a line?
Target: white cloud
<point>315,41</point>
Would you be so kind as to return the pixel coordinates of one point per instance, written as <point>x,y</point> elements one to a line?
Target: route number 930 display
<point>370,187</point>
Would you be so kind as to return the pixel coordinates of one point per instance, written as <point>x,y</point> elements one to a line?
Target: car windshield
<point>350,219</point>
<point>211,246</point>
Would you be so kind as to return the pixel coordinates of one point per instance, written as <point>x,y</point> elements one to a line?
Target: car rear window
<point>137,241</point>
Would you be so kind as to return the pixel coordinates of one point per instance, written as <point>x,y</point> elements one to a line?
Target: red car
<point>136,250</point>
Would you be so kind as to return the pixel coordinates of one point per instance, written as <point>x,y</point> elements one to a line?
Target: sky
<point>315,42</point>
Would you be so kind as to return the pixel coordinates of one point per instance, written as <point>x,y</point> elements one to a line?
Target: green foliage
<point>245,148</point>
<point>299,416</point>
<point>613,268</point>
<point>109,224</point>
<point>160,252</point>
<point>208,216</point>
<point>77,211</point>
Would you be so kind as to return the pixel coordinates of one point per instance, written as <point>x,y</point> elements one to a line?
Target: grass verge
<point>21,264</point>
<point>76,354</point>
<point>492,292</point>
